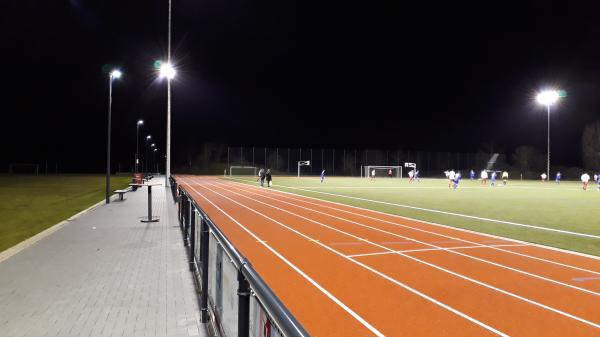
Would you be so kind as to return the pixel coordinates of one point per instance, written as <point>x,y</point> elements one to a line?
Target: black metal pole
<point>186,224</point>
<point>204,241</point>
<point>192,240</point>
<point>108,139</point>
<point>149,202</point>
<point>243,306</point>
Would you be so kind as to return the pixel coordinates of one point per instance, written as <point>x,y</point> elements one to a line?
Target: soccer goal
<point>21,168</point>
<point>383,171</point>
<point>242,171</point>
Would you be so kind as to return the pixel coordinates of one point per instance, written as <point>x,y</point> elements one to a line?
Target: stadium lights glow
<point>148,137</point>
<point>547,97</point>
<point>167,71</point>
<point>116,73</point>
<point>152,145</point>
<point>140,122</point>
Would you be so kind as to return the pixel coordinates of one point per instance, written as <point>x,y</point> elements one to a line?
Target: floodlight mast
<point>111,76</point>
<point>547,98</point>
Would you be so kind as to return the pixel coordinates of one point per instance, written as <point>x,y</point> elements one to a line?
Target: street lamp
<point>111,76</point>
<point>154,160</point>
<point>137,141</point>
<point>547,98</point>
<point>167,71</point>
<point>145,166</point>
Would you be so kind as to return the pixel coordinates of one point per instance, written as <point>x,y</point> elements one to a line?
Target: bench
<point>121,192</point>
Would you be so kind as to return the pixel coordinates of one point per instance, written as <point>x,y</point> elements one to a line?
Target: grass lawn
<point>565,206</point>
<point>30,204</point>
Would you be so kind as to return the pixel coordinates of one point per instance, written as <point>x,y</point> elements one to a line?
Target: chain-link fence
<point>336,162</point>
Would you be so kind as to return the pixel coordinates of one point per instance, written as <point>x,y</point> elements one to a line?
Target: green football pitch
<point>563,216</point>
<point>30,204</point>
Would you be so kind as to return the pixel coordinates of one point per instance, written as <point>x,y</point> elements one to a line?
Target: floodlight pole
<point>110,80</point>
<point>548,158</point>
<point>168,157</point>
<point>137,145</point>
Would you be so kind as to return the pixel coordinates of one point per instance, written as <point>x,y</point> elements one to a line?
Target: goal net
<point>21,168</point>
<point>383,171</point>
<point>243,171</point>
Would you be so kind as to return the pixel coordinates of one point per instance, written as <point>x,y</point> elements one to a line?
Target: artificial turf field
<point>565,207</point>
<point>30,204</point>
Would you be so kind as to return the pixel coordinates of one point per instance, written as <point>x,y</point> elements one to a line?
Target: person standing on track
<point>261,177</point>
<point>484,177</point>
<point>558,176</point>
<point>322,176</point>
<point>493,180</point>
<point>268,177</point>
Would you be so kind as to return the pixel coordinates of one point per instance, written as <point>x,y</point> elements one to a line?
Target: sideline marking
<point>532,244</point>
<point>445,306</point>
<point>505,292</point>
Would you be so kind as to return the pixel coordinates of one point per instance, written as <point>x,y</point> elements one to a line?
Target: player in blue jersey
<point>456,180</point>
<point>598,180</point>
<point>493,180</point>
<point>322,176</point>
<point>472,175</point>
<point>558,177</point>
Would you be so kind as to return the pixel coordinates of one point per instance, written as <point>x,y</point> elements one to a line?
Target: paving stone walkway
<point>104,274</point>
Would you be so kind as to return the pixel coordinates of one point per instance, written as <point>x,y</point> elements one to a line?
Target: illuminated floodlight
<point>152,145</point>
<point>140,122</point>
<point>547,97</point>
<point>167,71</point>
<point>148,137</point>
<point>116,73</point>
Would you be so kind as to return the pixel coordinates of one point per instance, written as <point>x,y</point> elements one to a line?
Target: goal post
<point>242,171</point>
<point>383,171</point>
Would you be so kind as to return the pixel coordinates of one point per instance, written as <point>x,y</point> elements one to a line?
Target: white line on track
<point>298,270</point>
<point>447,213</point>
<point>557,311</point>
<point>391,251</point>
<point>412,290</point>
<point>431,250</point>
<point>322,203</point>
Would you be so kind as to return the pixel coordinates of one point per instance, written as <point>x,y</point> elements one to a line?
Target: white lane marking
<point>414,291</point>
<point>583,279</point>
<point>433,224</point>
<point>557,311</point>
<point>426,244</point>
<point>430,250</point>
<point>298,270</point>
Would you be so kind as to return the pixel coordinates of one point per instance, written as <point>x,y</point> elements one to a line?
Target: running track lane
<point>435,292</point>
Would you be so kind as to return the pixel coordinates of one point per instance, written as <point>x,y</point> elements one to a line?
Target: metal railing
<point>234,299</point>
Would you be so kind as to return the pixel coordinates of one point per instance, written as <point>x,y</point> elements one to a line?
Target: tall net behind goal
<point>383,171</point>
<point>243,171</point>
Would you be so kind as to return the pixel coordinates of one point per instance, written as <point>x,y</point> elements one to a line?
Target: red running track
<point>348,271</point>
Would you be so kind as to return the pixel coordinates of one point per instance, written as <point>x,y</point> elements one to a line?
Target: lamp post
<point>145,166</point>
<point>168,71</point>
<point>154,160</point>
<point>112,75</point>
<point>547,98</point>
<point>151,159</point>
<point>137,141</point>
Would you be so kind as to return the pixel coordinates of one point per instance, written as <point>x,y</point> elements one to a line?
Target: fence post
<point>186,224</point>
<point>204,233</point>
<point>192,239</point>
<point>243,306</point>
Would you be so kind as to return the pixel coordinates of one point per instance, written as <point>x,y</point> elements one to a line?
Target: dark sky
<point>295,73</point>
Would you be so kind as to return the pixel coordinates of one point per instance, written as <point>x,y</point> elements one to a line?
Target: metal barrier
<point>222,273</point>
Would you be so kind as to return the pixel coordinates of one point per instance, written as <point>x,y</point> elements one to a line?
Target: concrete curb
<point>39,236</point>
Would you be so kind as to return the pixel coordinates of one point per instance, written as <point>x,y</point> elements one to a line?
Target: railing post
<point>204,241</point>
<point>192,238</point>
<point>243,306</point>
<point>186,223</point>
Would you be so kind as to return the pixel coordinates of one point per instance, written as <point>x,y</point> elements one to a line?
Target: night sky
<point>294,73</point>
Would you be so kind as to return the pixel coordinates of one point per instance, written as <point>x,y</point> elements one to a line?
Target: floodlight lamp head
<point>116,73</point>
<point>152,145</point>
<point>140,122</point>
<point>148,136</point>
<point>547,97</point>
<point>167,71</point>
